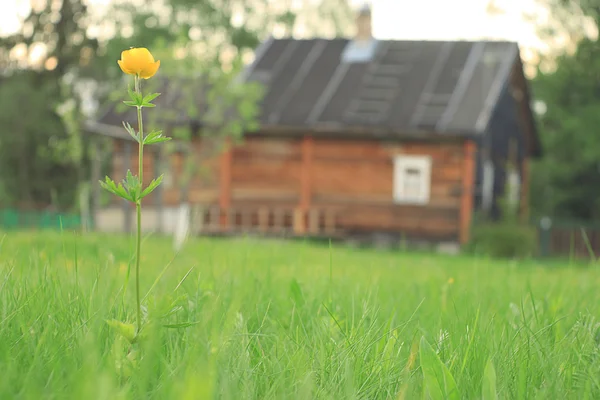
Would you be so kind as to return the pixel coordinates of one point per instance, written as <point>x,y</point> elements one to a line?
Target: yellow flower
<point>138,61</point>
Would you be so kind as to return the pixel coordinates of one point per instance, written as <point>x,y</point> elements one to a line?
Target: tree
<point>566,182</point>
<point>203,46</point>
<point>43,64</point>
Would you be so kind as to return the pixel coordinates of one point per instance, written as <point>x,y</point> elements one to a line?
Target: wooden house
<point>359,136</point>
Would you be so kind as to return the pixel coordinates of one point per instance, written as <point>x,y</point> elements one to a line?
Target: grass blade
<point>488,391</point>
<point>438,382</point>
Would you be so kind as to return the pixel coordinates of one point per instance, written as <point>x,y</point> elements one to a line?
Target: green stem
<point>138,209</point>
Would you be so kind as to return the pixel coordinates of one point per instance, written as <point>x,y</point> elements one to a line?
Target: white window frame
<point>421,163</point>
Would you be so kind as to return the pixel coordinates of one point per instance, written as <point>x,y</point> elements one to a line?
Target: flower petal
<point>150,70</point>
<point>138,61</point>
<point>124,68</point>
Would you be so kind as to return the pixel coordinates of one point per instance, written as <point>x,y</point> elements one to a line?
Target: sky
<point>399,19</point>
<point>457,19</point>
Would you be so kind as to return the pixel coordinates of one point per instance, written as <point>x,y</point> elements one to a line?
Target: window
<point>412,179</point>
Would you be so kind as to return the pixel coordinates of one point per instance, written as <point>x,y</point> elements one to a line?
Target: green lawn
<point>279,320</point>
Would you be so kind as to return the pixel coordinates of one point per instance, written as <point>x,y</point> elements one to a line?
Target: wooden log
<point>313,221</point>
<point>263,219</point>
<point>466,205</point>
<point>330,221</point>
<point>278,223</point>
<point>299,221</point>
<point>225,184</point>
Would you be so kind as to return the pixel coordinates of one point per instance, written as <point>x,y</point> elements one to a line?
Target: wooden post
<point>278,220</point>
<point>466,201</point>
<point>313,221</point>
<point>524,206</point>
<point>329,221</point>
<point>263,219</point>
<point>225,185</point>
<point>214,218</point>
<point>301,212</point>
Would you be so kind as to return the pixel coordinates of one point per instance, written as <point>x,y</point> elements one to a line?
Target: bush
<point>505,239</point>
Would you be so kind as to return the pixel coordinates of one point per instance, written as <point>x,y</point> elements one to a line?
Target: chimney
<point>364,30</point>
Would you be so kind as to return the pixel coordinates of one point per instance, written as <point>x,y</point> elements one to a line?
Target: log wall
<point>353,178</point>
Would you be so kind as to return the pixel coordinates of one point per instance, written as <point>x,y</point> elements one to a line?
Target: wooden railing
<point>264,220</point>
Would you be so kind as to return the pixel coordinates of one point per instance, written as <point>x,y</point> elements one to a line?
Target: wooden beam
<point>225,184</point>
<point>468,181</point>
<point>305,186</point>
<point>263,219</point>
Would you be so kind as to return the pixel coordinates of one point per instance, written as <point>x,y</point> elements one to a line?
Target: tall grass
<point>274,320</point>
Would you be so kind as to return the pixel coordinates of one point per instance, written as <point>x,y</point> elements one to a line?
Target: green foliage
<point>504,239</point>
<point>438,382</point>
<point>202,48</point>
<point>489,391</point>
<point>155,137</point>
<point>139,101</point>
<point>131,131</point>
<point>285,320</point>
<point>118,189</point>
<point>35,143</point>
<point>45,149</point>
<point>153,185</point>
<point>565,182</point>
<point>508,237</point>
<point>124,329</point>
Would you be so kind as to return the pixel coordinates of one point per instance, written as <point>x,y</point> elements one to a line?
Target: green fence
<point>17,219</point>
<point>568,238</point>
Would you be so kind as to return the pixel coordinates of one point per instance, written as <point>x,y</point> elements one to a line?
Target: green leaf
<point>130,103</point>
<point>155,137</point>
<point>181,325</point>
<point>147,100</point>
<point>126,330</point>
<point>131,131</point>
<point>132,184</point>
<point>132,94</point>
<point>115,189</point>
<point>136,98</point>
<point>437,379</point>
<point>296,292</point>
<point>489,382</point>
<point>153,185</point>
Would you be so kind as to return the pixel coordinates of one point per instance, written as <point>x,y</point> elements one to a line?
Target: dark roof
<point>441,87</point>
<point>407,85</point>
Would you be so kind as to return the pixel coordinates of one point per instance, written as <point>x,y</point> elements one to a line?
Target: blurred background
<point>58,70</point>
